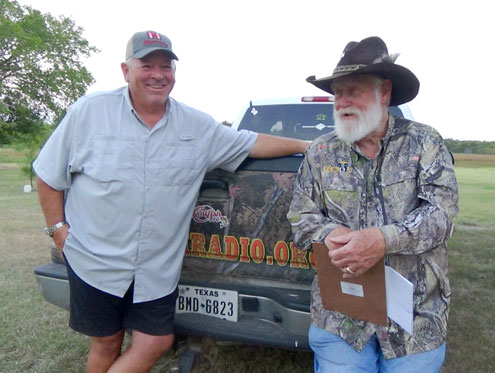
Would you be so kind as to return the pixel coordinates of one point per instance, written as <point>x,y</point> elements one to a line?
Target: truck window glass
<point>300,121</point>
<point>305,122</point>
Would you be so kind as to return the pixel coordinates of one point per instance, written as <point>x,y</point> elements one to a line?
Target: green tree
<point>41,70</point>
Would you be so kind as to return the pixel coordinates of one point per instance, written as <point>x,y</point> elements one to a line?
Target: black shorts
<point>99,314</point>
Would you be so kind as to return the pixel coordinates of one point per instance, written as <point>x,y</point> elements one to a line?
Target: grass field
<point>35,338</point>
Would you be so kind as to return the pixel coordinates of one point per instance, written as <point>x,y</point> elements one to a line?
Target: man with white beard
<point>377,187</point>
<point>352,124</point>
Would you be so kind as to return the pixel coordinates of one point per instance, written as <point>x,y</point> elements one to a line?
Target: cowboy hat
<point>370,56</point>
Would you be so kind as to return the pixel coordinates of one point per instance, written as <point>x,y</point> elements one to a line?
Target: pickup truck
<point>243,279</point>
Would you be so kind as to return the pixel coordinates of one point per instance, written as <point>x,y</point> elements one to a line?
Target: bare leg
<point>143,353</point>
<point>103,352</point>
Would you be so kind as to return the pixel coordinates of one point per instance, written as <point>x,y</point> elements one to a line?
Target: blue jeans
<point>333,354</point>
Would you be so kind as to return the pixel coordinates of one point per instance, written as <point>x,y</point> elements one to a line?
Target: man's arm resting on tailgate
<point>268,146</point>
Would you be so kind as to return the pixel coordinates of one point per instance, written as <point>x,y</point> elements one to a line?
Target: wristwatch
<point>51,230</point>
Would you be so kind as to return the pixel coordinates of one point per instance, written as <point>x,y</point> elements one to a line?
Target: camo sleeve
<point>306,213</point>
<point>430,223</point>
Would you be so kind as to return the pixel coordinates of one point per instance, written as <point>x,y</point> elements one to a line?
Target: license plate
<point>208,301</point>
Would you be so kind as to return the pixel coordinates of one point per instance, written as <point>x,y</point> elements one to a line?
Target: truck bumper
<point>53,284</point>
<point>266,326</point>
<point>245,331</point>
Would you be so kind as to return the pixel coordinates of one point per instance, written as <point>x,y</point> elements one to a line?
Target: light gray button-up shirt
<point>130,191</point>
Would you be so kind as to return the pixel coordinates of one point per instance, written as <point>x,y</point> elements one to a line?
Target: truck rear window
<point>300,121</point>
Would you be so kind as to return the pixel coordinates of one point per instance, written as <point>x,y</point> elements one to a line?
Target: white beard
<point>367,121</point>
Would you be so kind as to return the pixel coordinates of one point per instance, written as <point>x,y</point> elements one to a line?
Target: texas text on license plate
<point>207,301</point>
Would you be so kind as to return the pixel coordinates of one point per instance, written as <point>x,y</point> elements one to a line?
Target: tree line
<point>470,147</point>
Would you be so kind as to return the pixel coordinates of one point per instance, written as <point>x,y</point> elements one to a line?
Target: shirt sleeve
<point>430,224</point>
<point>53,162</point>
<point>229,147</point>
<point>306,212</point>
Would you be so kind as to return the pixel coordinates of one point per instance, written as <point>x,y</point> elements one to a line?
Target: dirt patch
<point>9,166</point>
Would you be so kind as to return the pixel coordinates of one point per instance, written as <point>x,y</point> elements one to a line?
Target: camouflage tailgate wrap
<point>410,192</point>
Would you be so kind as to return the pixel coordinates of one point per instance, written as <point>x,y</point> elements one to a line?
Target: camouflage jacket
<point>410,192</point>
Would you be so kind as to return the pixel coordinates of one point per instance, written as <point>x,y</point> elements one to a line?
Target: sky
<point>231,52</point>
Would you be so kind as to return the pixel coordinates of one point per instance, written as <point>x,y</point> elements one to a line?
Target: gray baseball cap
<point>145,42</point>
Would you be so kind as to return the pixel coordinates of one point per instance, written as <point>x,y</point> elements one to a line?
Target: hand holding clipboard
<point>361,297</point>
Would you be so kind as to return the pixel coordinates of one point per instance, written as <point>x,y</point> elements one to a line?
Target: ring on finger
<point>348,270</point>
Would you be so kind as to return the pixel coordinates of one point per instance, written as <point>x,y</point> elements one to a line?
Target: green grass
<point>471,334</point>
<point>35,338</point>
<point>9,154</point>
<point>476,196</point>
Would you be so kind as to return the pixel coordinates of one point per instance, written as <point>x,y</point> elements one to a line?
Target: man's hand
<point>358,250</point>
<point>340,231</point>
<point>60,236</point>
<point>330,244</point>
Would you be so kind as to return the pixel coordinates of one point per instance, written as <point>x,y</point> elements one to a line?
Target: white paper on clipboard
<point>399,292</point>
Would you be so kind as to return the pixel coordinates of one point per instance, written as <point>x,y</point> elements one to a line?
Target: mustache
<point>348,111</point>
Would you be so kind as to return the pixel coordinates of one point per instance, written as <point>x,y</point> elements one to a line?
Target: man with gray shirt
<point>118,181</point>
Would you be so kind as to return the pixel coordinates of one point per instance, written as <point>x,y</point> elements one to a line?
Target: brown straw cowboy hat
<point>370,56</point>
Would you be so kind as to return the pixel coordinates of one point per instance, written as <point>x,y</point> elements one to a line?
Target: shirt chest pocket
<point>399,188</point>
<point>341,200</point>
<point>178,165</point>
<point>113,159</point>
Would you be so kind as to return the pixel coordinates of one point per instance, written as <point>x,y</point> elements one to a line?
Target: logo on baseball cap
<point>145,42</point>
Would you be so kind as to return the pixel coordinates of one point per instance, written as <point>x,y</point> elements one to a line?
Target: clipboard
<point>362,297</point>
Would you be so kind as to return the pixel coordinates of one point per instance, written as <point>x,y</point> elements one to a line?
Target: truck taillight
<point>317,99</point>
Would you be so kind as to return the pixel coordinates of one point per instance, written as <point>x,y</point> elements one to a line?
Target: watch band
<point>51,230</point>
